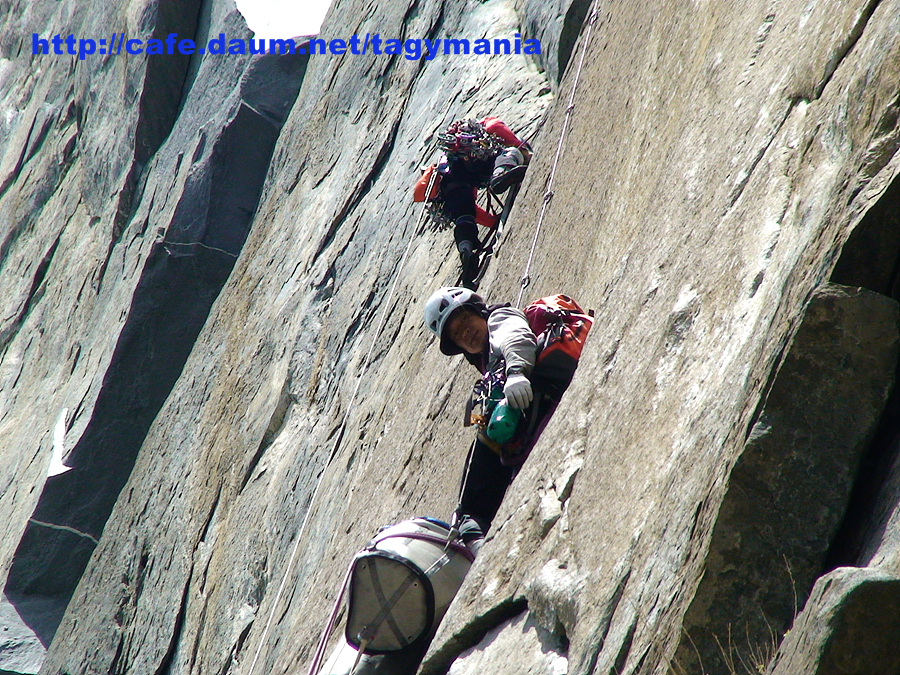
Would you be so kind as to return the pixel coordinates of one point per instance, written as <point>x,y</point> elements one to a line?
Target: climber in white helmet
<point>495,339</point>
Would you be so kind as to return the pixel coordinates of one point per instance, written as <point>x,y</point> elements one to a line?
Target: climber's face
<point>468,330</point>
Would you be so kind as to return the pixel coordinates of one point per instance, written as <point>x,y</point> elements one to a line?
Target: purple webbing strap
<point>431,538</point>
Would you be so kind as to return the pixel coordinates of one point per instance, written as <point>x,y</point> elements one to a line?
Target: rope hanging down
<point>524,283</point>
<point>548,195</point>
<point>385,305</point>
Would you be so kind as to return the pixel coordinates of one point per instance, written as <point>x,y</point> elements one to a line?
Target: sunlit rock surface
<point>723,163</point>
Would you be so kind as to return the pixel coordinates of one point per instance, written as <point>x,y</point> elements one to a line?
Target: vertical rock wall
<point>230,466</point>
<point>736,150</point>
<point>719,160</point>
<point>68,177</point>
<point>789,489</point>
<point>183,149</point>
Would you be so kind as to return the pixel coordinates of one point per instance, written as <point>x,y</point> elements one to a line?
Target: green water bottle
<point>503,423</point>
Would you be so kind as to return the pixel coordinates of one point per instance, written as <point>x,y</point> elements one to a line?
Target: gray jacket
<point>511,339</point>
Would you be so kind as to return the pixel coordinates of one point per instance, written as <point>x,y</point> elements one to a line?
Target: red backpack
<point>561,327</point>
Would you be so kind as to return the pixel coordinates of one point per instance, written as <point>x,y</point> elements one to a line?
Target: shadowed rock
<point>228,125</point>
<point>789,488</point>
<point>849,625</point>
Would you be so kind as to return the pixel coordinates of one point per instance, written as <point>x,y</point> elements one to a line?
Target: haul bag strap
<point>432,538</point>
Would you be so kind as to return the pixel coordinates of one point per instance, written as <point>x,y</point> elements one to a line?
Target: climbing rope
<point>329,625</point>
<point>525,280</point>
<point>334,450</point>
<point>548,194</point>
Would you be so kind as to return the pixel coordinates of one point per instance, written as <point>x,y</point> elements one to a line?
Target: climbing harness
<point>525,280</point>
<point>507,431</point>
<point>488,205</point>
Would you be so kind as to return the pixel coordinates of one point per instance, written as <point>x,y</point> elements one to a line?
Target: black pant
<point>489,477</point>
<point>457,191</point>
<point>485,485</point>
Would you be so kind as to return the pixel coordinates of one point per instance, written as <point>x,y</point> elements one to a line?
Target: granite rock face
<point>557,25</point>
<point>335,216</point>
<point>109,318</point>
<point>521,644</point>
<point>58,197</point>
<point>848,626</point>
<point>741,175</point>
<point>778,516</point>
<point>722,161</point>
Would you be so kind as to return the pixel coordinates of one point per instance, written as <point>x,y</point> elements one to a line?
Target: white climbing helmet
<point>443,302</point>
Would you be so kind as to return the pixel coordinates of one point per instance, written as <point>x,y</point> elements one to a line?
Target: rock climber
<point>491,338</point>
<point>475,155</point>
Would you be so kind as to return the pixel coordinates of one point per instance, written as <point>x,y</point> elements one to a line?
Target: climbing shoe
<point>509,177</point>
<point>468,257</point>
<point>471,534</point>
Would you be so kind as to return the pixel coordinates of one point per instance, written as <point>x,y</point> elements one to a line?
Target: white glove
<point>518,391</point>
